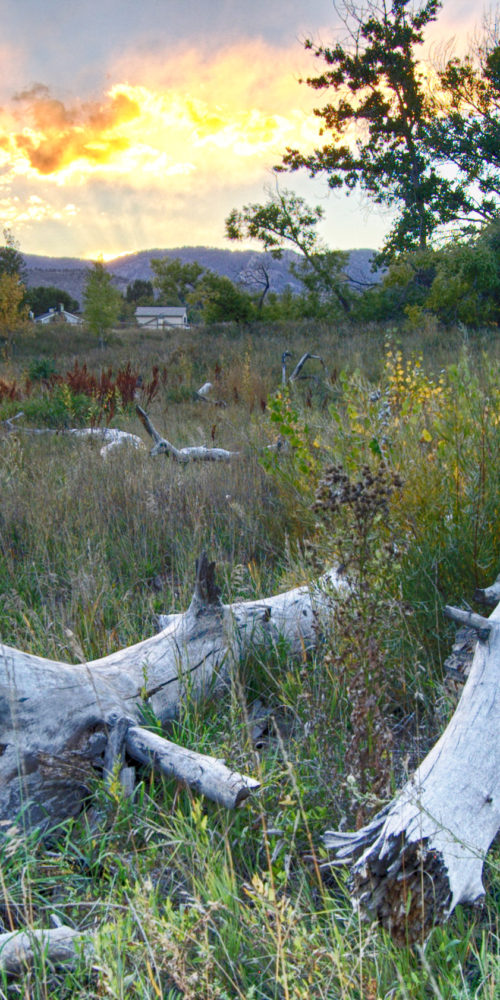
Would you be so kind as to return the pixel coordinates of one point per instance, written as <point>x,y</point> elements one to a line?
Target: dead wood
<point>57,720</point>
<point>183,455</point>
<point>111,436</point>
<point>19,950</point>
<point>424,853</point>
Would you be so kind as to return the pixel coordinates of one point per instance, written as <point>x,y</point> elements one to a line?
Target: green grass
<point>183,899</point>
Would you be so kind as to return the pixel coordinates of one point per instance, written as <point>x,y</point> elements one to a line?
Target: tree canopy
<point>465,130</point>
<point>102,302</point>
<point>140,292</point>
<point>175,280</point>
<point>287,221</point>
<point>419,141</point>
<point>41,298</point>
<point>11,260</point>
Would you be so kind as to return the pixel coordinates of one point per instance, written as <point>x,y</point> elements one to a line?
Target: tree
<point>466,285</point>
<point>287,221</point>
<point>465,130</point>
<point>41,298</point>
<point>140,292</point>
<point>102,302</point>
<point>175,280</point>
<point>378,121</point>
<point>11,260</point>
<point>220,301</point>
<point>12,310</point>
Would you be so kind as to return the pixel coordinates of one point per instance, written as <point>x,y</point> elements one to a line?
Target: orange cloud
<point>54,135</point>
<point>229,115</point>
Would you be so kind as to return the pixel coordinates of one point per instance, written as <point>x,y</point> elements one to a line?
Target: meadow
<point>184,899</point>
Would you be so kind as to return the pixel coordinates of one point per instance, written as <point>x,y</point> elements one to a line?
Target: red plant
<point>9,390</point>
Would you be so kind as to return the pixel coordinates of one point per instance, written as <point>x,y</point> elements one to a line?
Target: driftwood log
<point>183,455</point>
<point>19,950</point>
<point>424,853</point>
<point>62,724</point>
<point>111,437</point>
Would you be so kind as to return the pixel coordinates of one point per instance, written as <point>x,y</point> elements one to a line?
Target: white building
<point>158,317</point>
<point>59,315</point>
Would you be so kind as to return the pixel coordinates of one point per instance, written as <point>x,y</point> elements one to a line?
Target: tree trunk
<point>60,724</point>
<point>424,853</point>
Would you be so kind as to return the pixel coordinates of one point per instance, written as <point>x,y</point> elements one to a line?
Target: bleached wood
<point>204,774</point>
<point>55,718</point>
<point>424,853</point>
<point>300,364</point>
<point>183,455</point>
<point>490,595</point>
<point>20,950</point>
<point>112,437</point>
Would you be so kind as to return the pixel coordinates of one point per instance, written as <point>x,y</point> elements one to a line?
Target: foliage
<point>458,283</point>
<point>80,396</point>
<point>13,312</point>
<point>381,117</point>
<point>175,280</point>
<point>287,221</point>
<point>466,286</point>
<point>140,292</point>
<point>41,298</point>
<point>218,300</point>
<point>102,302</point>
<point>11,260</point>
<point>465,130</point>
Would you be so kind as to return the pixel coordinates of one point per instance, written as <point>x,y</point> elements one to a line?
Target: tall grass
<point>184,900</point>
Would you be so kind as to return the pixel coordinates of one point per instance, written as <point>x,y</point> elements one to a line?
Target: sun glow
<point>157,159</point>
<point>147,132</point>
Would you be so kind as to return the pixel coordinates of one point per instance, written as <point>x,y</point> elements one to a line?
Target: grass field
<point>186,900</point>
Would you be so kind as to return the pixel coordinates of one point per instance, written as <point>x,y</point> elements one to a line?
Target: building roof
<point>58,314</point>
<point>160,310</point>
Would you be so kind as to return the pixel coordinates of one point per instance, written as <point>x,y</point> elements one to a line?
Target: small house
<point>159,317</point>
<point>59,315</point>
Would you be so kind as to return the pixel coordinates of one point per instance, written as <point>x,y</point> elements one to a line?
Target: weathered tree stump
<point>424,853</point>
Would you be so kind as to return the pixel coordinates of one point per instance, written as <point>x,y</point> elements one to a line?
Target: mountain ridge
<point>241,266</point>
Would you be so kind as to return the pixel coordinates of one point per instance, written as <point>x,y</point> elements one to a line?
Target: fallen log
<point>183,455</point>
<point>424,853</point>
<point>57,719</point>
<point>111,436</point>
<point>20,950</point>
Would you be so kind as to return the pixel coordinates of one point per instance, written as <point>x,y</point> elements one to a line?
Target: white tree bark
<point>112,437</point>
<point>424,853</point>
<point>56,719</point>
<point>183,455</point>
<point>19,950</point>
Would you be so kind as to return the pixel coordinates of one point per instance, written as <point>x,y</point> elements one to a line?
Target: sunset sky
<point>135,124</point>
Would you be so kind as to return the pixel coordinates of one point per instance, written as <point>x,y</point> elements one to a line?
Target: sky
<point>136,124</point>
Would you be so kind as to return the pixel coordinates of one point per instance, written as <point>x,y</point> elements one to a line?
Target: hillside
<point>69,273</point>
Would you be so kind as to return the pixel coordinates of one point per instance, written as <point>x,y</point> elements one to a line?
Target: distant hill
<point>69,273</point>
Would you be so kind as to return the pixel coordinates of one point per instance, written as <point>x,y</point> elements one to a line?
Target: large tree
<point>140,293</point>
<point>286,221</point>
<point>218,300</point>
<point>175,280</point>
<point>377,117</point>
